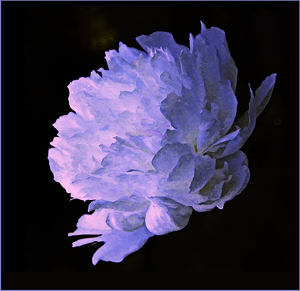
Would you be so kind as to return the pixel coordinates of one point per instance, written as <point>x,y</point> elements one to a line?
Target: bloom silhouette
<point>153,139</point>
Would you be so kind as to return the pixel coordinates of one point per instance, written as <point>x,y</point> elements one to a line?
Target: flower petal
<point>165,215</point>
<point>263,93</point>
<point>216,37</point>
<point>183,113</point>
<point>217,87</point>
<point>125,221</point>
<point>112,226</point>
<point>130,204</point>
<point>222,140</point>
<point>69,125</point>
<point>246,124</point>
<point>167,157</point>
<point>129,54</point>
<point>184,170</point>
<point>204,170</point>
<point>119,244</point>
<point>229,186</point>
<point>161,39</point>
<point>208,128</point>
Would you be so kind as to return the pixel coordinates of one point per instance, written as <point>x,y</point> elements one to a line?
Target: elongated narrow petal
<point>264,93</point>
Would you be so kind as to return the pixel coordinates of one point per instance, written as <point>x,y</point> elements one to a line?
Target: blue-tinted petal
<point>246,124</point>
<point>263,93</point>
<point>109,224</point>
<point>119,244</point>
<point>167,157</point>
<point>129,54</point>
<point>161,39</point>
<point>228,137</point>
<point>236,178</point>
<point>125,221</point>
<point>165,215</point>
<point>204,170</point>
<point>218,89</point>
<point>188,199</point>
<point>130,204</point>
<point>216,37</point>
<point>209,126</point>
<point>184,169</point>
<point>208,63</point>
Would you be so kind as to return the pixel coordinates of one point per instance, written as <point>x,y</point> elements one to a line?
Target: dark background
<point>255,232</point>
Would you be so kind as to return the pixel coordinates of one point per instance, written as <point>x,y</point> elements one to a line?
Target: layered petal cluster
<point>154,138</point>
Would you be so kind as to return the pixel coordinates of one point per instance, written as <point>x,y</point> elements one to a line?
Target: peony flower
<point>153,139</point>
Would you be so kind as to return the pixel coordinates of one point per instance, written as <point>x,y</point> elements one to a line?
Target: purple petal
<point>264,92</point>
<point>161,39</point>
<point>216,37</point>
<point>204,170</point>
<point>119,244</point>
<point>229,186</point>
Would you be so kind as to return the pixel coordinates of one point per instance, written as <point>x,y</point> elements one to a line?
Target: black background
<point>255,232</point>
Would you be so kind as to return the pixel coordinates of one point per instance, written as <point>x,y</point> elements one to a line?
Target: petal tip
<point>273,76</point>
<point>95,261</point>
<point>203,27</point>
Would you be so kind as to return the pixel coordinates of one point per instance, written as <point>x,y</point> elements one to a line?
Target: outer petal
<point>263,93</point>
<point>183,112</point>
<point>118,244</point>
<point>218,88</point>
<point>234,180</point>
<point>183,182</point>
<point>69,125</point>
<point>244,126</point>
<point>161,39</point>
<point>216,37</point>
<point>126,214</point>
<point>204,170</point>
<point>233,142</point>
<point>206,106</point>
<point>165,215</point>
<point>122,233</point>
<point>129,54</point>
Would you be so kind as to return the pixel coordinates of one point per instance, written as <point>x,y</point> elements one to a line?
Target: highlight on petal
<point>154,137</point>
<point>165,215</point>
